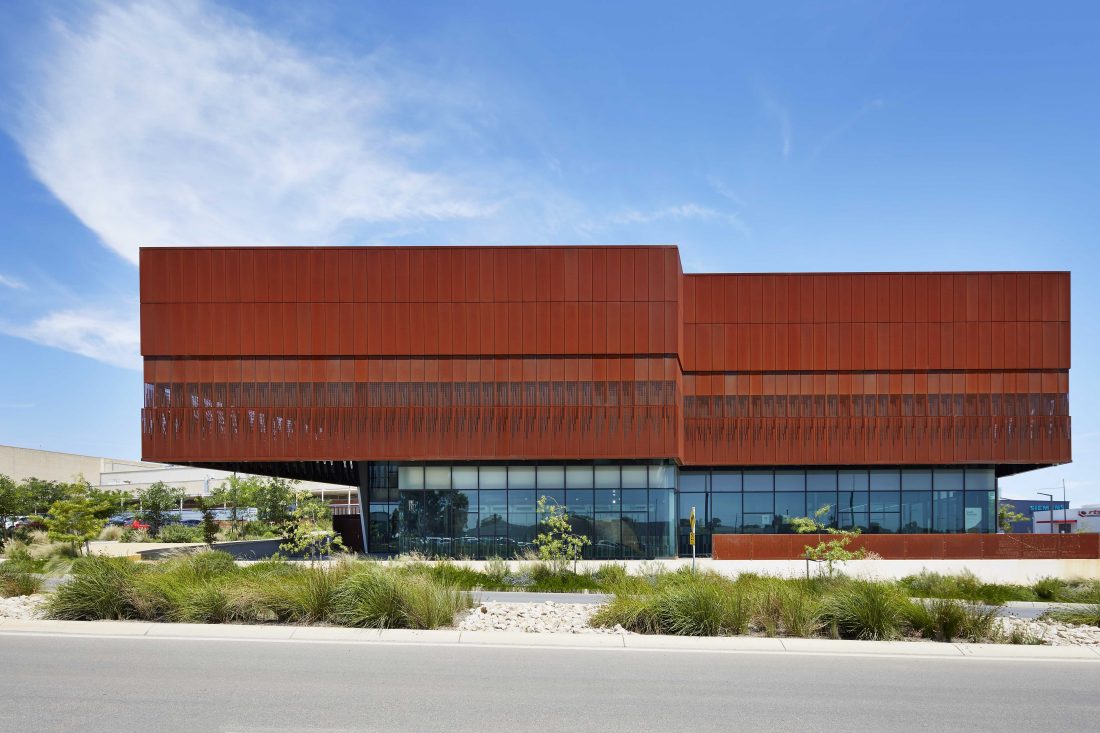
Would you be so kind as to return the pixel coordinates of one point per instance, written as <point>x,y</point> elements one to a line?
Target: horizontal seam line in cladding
<point>402,248</point>
<point>419,357</point>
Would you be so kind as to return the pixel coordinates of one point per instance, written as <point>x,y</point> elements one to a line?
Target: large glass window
<point>634,477</point>
<point>725,481</point>
<point>759,515</point>
<point>521,477</point>
<point>759,481</point>
<point>702,535</point>
<point>607,477</point>
<point>578,477</point>
<point>790,481</point>
<point>636,511</point>
<point>788,506</point>
<point>693,481</point>
<point>980,513</point>
<point>437,477</point>
<point>916,512</point>
<point>948,511</point>
<point>725,513</point>
<point>885,480</point>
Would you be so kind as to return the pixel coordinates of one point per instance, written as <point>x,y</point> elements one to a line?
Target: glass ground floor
<point>640,510</point>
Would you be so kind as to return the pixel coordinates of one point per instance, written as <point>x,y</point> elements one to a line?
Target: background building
<point>457,385</point>
<point>1029,508</point>
<point>129,475</point>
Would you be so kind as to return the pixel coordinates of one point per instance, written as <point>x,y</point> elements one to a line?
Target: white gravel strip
<point>1053,633</point>
<point>534,618</point>
<point>22,607</point>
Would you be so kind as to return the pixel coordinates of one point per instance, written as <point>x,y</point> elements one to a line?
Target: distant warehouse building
<point>129,475</point>
<point>456,386</point>
<point>1031,509</point>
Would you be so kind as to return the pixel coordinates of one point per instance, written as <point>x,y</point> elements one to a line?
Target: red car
<point>138,524</point>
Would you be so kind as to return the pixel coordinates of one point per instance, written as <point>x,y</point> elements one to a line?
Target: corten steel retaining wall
<point>482,353</point>
<point>915,546</point>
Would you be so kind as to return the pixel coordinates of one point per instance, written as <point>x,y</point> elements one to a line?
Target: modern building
<point>455,386</point>
<point>1031,508</point>
<point>1067,520</point>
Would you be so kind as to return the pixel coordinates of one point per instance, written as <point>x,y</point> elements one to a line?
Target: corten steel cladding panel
<point>412,354</point>
<point>593,352</point>
<point>916,546</point>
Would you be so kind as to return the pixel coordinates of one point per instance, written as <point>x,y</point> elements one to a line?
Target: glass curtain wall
<point>484,511</point>
<point>876,501</point>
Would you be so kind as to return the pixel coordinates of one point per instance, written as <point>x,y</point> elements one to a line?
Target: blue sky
<point>811,136</point>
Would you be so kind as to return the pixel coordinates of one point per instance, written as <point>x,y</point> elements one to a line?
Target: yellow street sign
<point>691,534</point>
<point>691,539</point>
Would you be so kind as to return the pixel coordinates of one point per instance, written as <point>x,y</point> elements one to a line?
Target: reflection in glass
<point>916,512</point>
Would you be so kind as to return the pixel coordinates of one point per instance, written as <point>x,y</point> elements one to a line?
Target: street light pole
<point>1065,505</point>
<point>1050,506</point>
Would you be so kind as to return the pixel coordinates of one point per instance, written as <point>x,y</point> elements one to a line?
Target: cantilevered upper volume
<point>580,353</point>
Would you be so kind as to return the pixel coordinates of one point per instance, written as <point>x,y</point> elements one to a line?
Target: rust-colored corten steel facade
<point>574,353</point>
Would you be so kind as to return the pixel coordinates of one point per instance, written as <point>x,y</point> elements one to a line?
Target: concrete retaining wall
<point>990,571</point>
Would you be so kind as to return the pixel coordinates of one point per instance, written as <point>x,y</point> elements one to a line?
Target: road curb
<point>629,642</point>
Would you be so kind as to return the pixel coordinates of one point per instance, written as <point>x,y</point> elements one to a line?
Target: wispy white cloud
<point>725,191</point>
<point>782,116</point>
<point>872,106</point>
<point>177,123</point>
<point>105,335</point>
<point>10,282</point>
<point>678,211</point>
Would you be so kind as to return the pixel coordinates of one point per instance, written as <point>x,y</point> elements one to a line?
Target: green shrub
<point>1048,589</point>
<point>964,586</point>
<point>179,533</point>
<point>865,610</point>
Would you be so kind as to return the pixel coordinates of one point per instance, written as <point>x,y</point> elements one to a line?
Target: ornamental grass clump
<point>14,582</point>
<point>100,588</point>
<point>1087,615</point>
<point>863,609</point>
<point>682,604</point>
<point>374,598</point>
<point>947,619</point>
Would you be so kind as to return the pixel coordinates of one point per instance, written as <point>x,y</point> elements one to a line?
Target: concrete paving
<point>79,683</point>
<point>455,637</point>
<point>524,597</point>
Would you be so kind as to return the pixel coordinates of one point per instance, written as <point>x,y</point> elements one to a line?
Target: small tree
<point>273,498</point>
<point>236,493</point>
<point>1007,516</point>
<point>41,494</point>
<point>81,516</point>
<point>156,502</point>
<point>13,503</point>
<point>308,531</point>
<point>558,544</point>
<point>830,551</point>
<point>209,526</point>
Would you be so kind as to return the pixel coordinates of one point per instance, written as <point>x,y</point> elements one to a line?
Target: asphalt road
<point>50,683</point>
